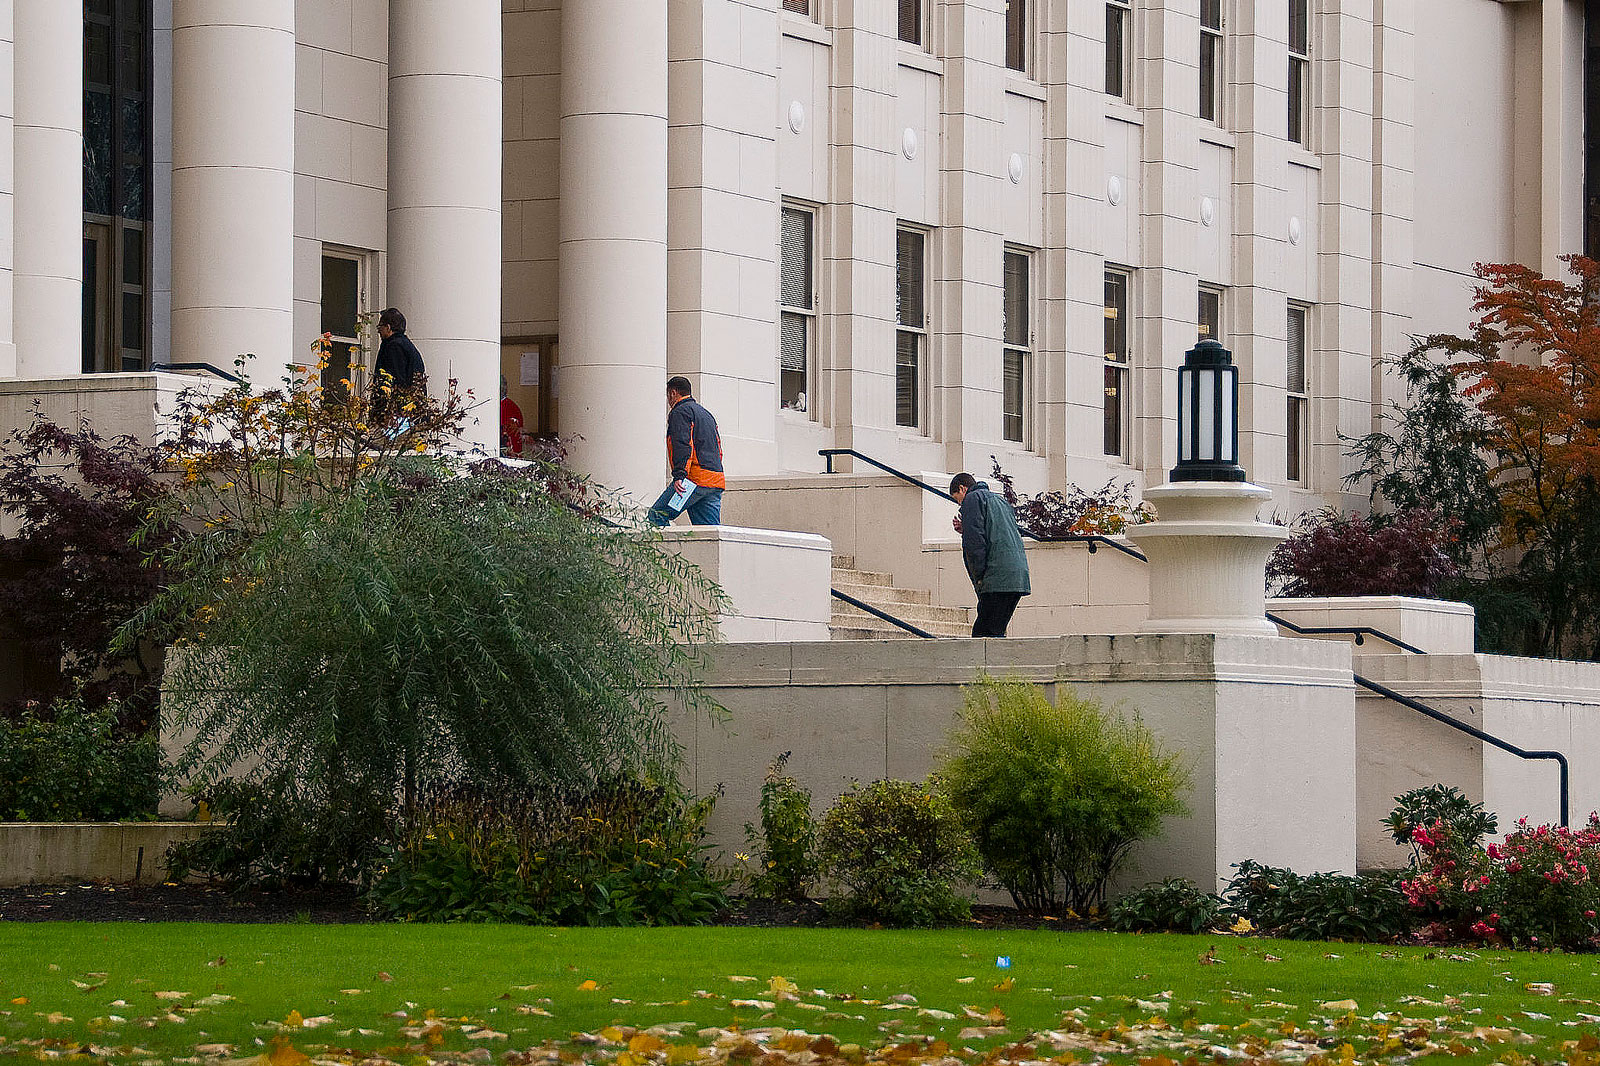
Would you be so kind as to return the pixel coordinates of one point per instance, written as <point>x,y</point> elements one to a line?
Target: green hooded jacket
<point>991,544</point>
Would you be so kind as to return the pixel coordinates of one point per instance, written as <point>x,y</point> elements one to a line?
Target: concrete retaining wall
<point>51,852</point>
<point>1267,724</point>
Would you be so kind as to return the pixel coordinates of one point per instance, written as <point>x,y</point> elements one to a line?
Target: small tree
<point>1074,512</point>
<point>357,622</point>
<point>1056,796</point>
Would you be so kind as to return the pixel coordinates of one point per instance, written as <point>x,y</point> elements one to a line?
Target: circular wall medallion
<point>797,116</point>
<point>1294,230</point>
<point>908,143</point>
<point>1114,190</point>
<point>1208,211</point>
<point>1014,168</point>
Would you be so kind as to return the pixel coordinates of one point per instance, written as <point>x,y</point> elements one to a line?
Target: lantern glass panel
<point>1206,415</point>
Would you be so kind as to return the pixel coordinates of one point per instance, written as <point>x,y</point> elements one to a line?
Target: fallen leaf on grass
<point>385,977</point>
<point>1340,1005</point>
<point>739,978</point>
<point>980,1032</point>
<point>283,1053</point>
<point>525,1008</point>
<point>1540,988</point>
<point>758,1004</point>
<point>782,985</point>
<point>589,986</point>
<point>171,995</point>
<point>216,999</point>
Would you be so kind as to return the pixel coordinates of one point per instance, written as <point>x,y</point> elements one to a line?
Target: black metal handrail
<point>1473,731</point>
<point>1093,540</point>
<point>218,371</point>
<point>885,615</point>
<point>1359,632</point>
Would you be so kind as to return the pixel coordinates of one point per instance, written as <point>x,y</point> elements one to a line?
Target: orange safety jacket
<point>694,445</point>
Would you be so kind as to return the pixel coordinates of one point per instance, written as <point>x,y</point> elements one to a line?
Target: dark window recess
<point>1210,59</point>
<point>911,21</point>
<point>1118,16</point>
<point>1017,34</point>
<point>1591,129</point>
<point>341,298</point>
<point>799,7</point>
<point>117,205</point>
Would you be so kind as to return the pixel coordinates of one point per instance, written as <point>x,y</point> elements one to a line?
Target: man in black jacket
<point>399,368</point>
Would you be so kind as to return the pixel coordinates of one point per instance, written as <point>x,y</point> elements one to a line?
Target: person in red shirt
<point>511,423</point>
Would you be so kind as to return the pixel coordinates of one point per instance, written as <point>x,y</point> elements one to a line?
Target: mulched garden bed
<point>206,903</point>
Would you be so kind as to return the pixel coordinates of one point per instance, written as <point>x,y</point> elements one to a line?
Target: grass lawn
<point>283,993</point>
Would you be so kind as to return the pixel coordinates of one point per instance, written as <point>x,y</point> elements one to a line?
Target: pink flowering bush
<point>1533,889</point>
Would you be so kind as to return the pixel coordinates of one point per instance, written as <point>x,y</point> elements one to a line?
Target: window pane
<point>1016,34</point>
<point>796,240</point>
<point>1011,394</point>
<point>1295,469</point>
<point>1116,312</point>
<point>97,54</point>
<point>340,295</point>
<point>133,321</point>
<point>1115,49</point>
<point>91,304</point>
<point>1297,350</point>
<point>1210,49</point>
<point>1297,100</point>
<point>1015,302</point>
<point>1211,14</point>
<point>911,21</point>
<point>907,350</point>
<point>1299,27</point>
<point>97,153</point>
<point>909,303</point>
<point>1210,316</point>
<point>1113,417</point>
<point>132,256</point>
<point>794,352</point>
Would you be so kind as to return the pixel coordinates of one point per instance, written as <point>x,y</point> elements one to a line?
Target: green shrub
<point>782,849</point>
<point>72,762</point>
<point>1467,823</point>
<point>1323,906</point>
<point>1175,905</point>
<point>275,841</point>
<point>1057,795</point>
<point>625,853</point>
<point>894,852</point>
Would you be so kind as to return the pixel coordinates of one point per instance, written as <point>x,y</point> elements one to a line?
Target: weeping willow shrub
<point>435,629</point>
<point>1056,796</point>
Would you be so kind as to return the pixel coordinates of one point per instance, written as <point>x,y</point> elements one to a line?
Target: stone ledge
<point>123,852</point>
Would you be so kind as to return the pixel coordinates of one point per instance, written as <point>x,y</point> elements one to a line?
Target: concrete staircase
<point>910,605</point>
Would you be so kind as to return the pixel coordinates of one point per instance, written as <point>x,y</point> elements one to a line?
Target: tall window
<point>116,183</point>
<point>1299,70</point>
<point>1116,401</point>
<point>1210,313</point>
<point>1297,428</point>
<point>1119,21</point>
<point>799,7</point>
<point>1017,354</point>
<point>1211,60</point>
<point>911,314</point>
<point>911,21</point>
<point>1017,34</point>
<point>798,312</point>
<point>343,293</point>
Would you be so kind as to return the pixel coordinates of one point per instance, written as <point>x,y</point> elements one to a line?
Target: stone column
<point>8,348</point>
<point>233,184</point>
<point>48,222</point>
<point>613,269</point>
<point>444,196</point>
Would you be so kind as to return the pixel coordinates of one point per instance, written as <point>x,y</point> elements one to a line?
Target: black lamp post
<point>1208,416</point>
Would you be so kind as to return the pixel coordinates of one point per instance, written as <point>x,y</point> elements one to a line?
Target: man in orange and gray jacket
<point>695,449</point>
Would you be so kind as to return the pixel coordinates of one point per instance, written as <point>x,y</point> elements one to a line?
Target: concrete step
<point>910,612</point>
<point>863,633</point>
<point>878,595</point>
<point>844,562</point>
<point>944,626</point>
<point>861,577</point>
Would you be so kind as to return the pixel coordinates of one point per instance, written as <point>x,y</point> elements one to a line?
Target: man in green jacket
<point>991,546</point>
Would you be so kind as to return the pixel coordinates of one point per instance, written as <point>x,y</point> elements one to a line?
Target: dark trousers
<point>994,613</point>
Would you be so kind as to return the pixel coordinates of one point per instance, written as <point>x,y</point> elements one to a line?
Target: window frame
<point>1018,349</point>
<point>354,342</point>
<point>1217,294</point>
<point>1118,359</point>
<point>1298,91</point>
<point>1212,48</point>
<point>1297,429</point>
<point>1018,56</point>
<point>918,23</point>
<point>1119,60</point>
<point>807,312</point>
<point>916,333</point>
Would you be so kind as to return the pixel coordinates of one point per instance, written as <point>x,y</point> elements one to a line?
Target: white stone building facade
<point>929,230</point>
